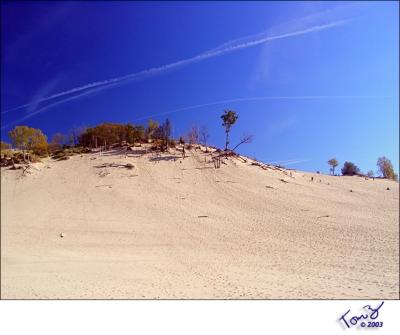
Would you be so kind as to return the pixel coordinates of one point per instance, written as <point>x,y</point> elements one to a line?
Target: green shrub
<point>350,169</point>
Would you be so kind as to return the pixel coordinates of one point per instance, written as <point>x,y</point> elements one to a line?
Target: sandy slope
<point>182,229</point>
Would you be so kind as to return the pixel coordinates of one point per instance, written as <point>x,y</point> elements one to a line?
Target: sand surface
<point>173,228</point>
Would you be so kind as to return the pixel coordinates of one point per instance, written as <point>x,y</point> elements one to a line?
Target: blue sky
<point>326,72</point>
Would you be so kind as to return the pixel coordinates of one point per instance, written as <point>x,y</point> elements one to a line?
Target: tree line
<point>105,135</point>
<point>385,168</point>
<point>34,141</point>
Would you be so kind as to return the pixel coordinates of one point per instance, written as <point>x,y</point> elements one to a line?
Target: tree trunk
<point>226,140</point>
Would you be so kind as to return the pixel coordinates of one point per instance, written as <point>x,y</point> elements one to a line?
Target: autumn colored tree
<point>26,138</point>
<point>151,128</point>
<point>333,163</point>
<point>106,134</point>
<point>139,133</point>
<point>385,167</point>
<point>130,133</point>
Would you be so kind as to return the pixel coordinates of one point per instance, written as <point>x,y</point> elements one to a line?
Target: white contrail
<point>296,162</point>
<point>298,97</point>
<point>284,161</point>
<point>205,55</point>
<point>219,102</point>
<point>290,161</point>
<point>50,106</point>
<point>42,92</point>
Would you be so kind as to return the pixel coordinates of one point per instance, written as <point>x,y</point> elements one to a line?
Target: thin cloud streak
<point>296,162</point>
<point>300,97</point>
<point>50,106</point>
<point>45,90</point>
<point>290,161</point>
<point>105,84</point>
<point>219,102</point>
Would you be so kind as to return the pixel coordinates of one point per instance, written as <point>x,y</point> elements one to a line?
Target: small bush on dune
<point>34,158</point>
<point>74,151</point>
<point>83,150</point>
<point>11,157</point>
<point>8,157</point>
<point>7,152</point>
<point>350,169</point>
<point>60,154</point>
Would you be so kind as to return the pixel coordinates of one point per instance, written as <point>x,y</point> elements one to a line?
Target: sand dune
<point>173,228</point>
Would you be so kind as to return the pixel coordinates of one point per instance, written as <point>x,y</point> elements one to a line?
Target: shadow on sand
<point>128,153</point>
<point>164,158</point>
<point>117,165</point>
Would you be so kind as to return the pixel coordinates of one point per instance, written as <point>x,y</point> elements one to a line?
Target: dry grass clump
<point>64,154</point>
<point>10,157</point>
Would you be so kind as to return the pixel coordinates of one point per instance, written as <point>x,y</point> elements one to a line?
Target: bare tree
<point>75,133</point>
<point>167,133</point>
<point>151,128</point>
<point>57,142</point>
<point>193,135</point>
<point>204,135</point>
<point>246,138</point>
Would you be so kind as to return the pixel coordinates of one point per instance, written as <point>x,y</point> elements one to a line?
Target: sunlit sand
<point>89,227</point>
